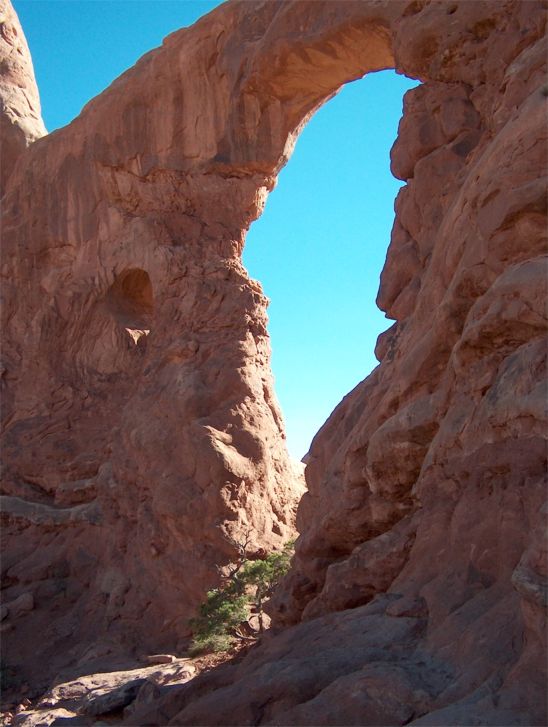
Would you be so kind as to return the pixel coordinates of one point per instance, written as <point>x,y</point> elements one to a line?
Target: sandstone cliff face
<point>20,119</point>
<point>142,437</point>
<point>420,575</point>
<point>418,589</point>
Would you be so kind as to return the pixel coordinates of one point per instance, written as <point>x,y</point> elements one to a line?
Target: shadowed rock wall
<point>141,433</point>
<point>420,569</point>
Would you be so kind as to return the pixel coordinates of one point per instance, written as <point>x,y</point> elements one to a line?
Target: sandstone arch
<point>166,170</point>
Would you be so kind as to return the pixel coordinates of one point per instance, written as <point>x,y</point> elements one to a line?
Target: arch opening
<point>334,207</point>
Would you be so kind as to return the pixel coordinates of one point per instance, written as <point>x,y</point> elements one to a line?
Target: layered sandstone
<point>142,439</point>
<point>420,576</point>
<point>418,591</point>
<point>20,117</point>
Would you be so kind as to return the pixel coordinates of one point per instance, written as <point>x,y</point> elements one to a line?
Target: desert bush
<point>246,588</point>
<point>218,616</point>
<point>260,577</point>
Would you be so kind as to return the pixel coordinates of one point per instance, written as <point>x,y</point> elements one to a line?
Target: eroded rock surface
<point>86,700</point>
<point>418,591</point>
<point>142,438</point>
<point>20,117</point>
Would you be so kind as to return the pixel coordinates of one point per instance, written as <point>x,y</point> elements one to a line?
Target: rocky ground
<point>108,697</point>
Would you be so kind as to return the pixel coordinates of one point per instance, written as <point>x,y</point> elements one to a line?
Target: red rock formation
<point>421,570</point>
<point>20,119</point>
<point>418,590</point>
<point>133,461</point>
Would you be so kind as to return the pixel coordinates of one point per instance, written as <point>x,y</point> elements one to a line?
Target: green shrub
<point>210,644</point>
<point>246,588</point>
<point>263,576</point>
<point>221,613</point>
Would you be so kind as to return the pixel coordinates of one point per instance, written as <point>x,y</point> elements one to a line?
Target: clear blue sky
<point>320,245</point>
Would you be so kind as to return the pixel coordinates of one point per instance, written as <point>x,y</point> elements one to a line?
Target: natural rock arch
<point>165,171</point>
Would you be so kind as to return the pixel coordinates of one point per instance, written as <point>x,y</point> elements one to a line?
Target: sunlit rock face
<point>20,119</point>
<point>142,438</point>
<point>417,595</point>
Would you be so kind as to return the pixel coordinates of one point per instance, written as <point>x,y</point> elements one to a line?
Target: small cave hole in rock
<point>130,300</point>
<point>319,247</point>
